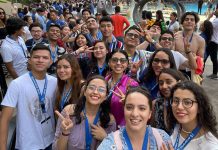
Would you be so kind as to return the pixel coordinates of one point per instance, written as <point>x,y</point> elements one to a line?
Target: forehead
<point>41,52</point>
<point>190,17</point>
<point>161,54</point>
<point>132,31</point>
<point>136,98</point>
<point>119,55</point>
<point>183,93</point>
<point>86,13</point>
<point>36,28</point>
<point>106,23</point>
<point>166,35</point>
<point>54,28</point>
<point>97,82</point>
<point>90,19</point>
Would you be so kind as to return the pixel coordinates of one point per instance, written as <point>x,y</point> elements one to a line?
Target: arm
<point>191,62</point>
<point>6,116</point>
<point>11,70</point>
<point>201,47</point>
<point>127,24</point>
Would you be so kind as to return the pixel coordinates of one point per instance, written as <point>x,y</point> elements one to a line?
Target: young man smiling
<point>32,95</point>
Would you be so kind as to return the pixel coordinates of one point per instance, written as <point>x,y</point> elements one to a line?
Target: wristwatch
<point>154,42</point>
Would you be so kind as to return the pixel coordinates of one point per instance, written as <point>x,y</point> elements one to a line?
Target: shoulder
<point>199,38</point>
<point>52,78</point>
<point>108,143</point>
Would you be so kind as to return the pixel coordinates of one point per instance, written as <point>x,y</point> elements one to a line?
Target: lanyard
<point>100,70</point>
<point>53,54</point>
<point>112,89</point>
<point>190,40</point>
<point>23,50</point>
<point>65,97</point>
<point>187,140</point>
<point>40,95</point>
<point>128,142</point>
<point>88,134</point>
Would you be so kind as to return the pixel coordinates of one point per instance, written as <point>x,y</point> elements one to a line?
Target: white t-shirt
<point>174,26</point>
<point>215,31</point>
<point>205,142</point>
<point>179,58</point>
<point>27,34</point>
<point>15,52</point>
<point>31,133</point>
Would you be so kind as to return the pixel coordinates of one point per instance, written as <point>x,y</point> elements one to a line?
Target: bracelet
<point>188,52</point>
<point>65,134</point>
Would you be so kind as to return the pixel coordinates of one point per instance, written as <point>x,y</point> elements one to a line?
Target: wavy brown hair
<point>76,79</point>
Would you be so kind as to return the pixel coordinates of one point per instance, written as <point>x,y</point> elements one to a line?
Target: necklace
<point>186,131</point>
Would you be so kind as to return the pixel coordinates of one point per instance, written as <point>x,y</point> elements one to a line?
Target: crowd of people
<point>91,81</point>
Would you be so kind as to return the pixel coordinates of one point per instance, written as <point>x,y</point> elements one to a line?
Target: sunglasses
<point>122,60</point>
<point>162,61</point>
<point>166,38</point>
<point>2,13</point>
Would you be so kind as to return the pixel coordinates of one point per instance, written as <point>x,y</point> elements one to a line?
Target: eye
<point>142,108</point>
<point>187,102</point>
<point>129,107</point>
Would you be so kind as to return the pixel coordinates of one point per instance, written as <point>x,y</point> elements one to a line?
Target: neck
<point>136,136</point>
<point>101,62</point>
<point>189,126</point>
<point>116,77</point>
<point>93,32</point>
<point>37,40</point>
<point>68,84</point>
<point>52,43</point>
<point>188,32</point>
<point>39,75</point>
<point>108,39</point>
<point>14,37</point>
<point>130,50</point>
<point>91,110</point>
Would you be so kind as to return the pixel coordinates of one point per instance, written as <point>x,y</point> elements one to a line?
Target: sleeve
<point>108,143</point>
<point>12,95</point>
<point>6,54</point>
<point>166,138</point>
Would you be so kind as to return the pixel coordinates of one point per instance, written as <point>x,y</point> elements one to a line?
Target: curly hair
<point>192,14</point>
<point>104,106</point>
<point>76,78</point>
<point>206,115</point>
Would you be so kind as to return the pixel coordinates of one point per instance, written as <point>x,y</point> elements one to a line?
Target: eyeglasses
<point>99,89</point>
<point>187,103</point>
<point>136,36</point>
<point>2,13</point>
<point>162,61</point>
<point>167,38</point>
<point>122,60</point>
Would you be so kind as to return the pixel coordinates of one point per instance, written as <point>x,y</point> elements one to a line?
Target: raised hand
<point>121,95</point>
<point>164,147</point>
<point>135,66</point>
<point>85,49</point>
<point>98,132</point>
<point>66,122</point>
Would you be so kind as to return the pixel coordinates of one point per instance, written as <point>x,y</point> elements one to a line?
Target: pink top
<point>117,108</point>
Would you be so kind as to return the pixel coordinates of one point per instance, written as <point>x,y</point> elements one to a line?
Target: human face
<point>20,32</point>
<point>167,41</point>
<point>130,40</point>
<point>189,23</point>
<point>84,29</point>
<point>40,60</point>
<point>81,41</point>
<point>166,83</point>
<point>137,112</point>
<point>120,66</point>
<point>53,16</point>
<point>155,29</point>
<point>85,15</point>
<point>65,31</point>
<point>91,23</point>
<point>161,61</point>
<point>184,115</point>
<point>29,20</point>
<point>36,33</point>
<point>172,17</point>
<point>54,33</point>
<point>64,70</point>
<point>106,28</point>
<point>95,92</point>
<point>100,50</point>
<point>2,14</point>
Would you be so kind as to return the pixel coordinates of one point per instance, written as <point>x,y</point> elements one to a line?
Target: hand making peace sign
<point>121,95</point>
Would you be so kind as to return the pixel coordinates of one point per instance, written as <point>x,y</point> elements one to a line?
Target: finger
<point>90,47</point>
<point>69,126</point>
<point>89,51</point>
<point>67,115</point>
<point>121,93</point>
<point>93,126</point>
<point>140,27</point>
<point>140,62</point>
<point>116,93</point>
<point>140,33</point>
<point>163,147</point>
<point>171,146</point>
<point>59,115</point>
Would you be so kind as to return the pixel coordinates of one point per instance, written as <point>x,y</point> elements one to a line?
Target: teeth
<point>134,121</point>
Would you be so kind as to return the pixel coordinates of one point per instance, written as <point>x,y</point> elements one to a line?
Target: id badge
<point>47,127</point>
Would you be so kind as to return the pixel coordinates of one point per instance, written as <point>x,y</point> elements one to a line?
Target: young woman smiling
<point>193,115</point>
<point>118,83</point>
<point>136,135</point>
<point>85,125</point>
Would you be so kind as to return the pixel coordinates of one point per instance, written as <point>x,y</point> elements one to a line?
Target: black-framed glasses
<point>122,60</point>
<point>99,89</point>
<point>186,103</point>
<point>162,61</point>
<point>136,36</point>
<point>167,38</point>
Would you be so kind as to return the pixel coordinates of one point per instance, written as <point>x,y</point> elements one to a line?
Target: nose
<point>134,112</point>
<point>118,62</point>
<point>164,85</point>
<point>180,105</point>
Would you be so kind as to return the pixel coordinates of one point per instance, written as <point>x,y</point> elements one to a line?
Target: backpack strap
<point>117,140</point>
<point>158,137</point>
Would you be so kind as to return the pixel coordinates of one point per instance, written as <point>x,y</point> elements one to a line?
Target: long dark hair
<point>104,106</point>
<point>206,115</point>
<point>4,19</point>
<point>208,30</point>
<point>75,47</point>
<point>150,72</point>
<point>76,78</point>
